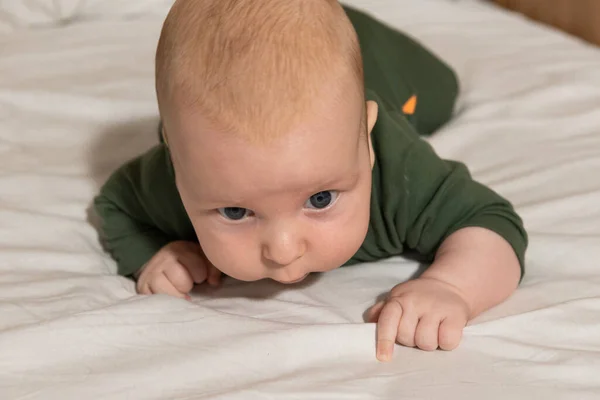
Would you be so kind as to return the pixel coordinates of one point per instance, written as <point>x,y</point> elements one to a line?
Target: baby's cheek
<point>342,239</point>
<point>353,229</point>
<point>230,255</point>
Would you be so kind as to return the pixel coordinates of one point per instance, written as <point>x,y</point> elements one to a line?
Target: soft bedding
<point>77,100</point>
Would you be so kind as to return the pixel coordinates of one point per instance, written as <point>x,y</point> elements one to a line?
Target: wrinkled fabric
<point>77,100</point>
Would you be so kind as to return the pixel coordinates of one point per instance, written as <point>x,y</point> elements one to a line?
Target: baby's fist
<point>426,313</point>
<point>175,269</point>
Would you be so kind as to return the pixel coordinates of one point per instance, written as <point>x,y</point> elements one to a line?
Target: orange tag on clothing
<point>410,106</point>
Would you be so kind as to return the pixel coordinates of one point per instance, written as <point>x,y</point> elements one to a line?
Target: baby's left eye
<point>322,200</point>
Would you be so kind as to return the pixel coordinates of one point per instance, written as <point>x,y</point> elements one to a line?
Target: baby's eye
<point>321,200</point>
<point>234,213</point>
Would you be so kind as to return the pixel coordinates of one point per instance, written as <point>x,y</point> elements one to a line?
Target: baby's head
<point>263,109</point>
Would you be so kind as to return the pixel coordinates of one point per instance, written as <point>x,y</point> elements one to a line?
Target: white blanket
<point>77,100</point>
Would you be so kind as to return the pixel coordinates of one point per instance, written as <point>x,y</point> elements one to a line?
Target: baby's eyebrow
<point>212,201</point>
<point>334,183</point>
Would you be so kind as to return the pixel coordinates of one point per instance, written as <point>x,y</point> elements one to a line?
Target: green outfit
<point>417,199</point>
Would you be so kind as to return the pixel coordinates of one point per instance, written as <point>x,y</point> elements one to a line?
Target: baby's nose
<point>282,247</point>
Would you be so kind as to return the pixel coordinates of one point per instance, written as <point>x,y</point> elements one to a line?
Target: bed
<point>77,100</point>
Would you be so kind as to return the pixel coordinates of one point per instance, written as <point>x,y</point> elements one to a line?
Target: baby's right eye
<point>234,213</point>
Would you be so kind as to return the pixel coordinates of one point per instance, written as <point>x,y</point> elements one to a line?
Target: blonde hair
<point>255,67</point>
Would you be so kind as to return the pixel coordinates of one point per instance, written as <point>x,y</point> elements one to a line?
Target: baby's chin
<point>291,282</point>
<point>260,278</point>
<point>303,277</point>
<point>254,278</point>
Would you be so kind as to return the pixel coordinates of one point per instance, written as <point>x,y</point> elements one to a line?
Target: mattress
<point>77,100</point>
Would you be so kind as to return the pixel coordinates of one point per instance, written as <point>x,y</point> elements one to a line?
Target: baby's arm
<point>473,236</point>
<point>480,264</point>
<point>474,270</point>
<point>146,229</point>
<point>126,208</point>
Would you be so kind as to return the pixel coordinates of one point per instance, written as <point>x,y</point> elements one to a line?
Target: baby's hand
<point>425,312</point>
<point>175,269</point>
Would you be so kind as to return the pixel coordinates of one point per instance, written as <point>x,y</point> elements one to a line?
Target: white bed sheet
<point>76,100</point>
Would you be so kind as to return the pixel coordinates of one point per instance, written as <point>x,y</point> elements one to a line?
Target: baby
<point>291,145</point>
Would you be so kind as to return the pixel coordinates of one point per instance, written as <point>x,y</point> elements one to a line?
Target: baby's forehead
<point>330,114</point>
<point>242,174</point>
<point>323,138</point>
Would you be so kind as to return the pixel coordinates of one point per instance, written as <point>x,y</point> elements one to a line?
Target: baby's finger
<point>180,277</point>
<point>141,277</point>
<point>407,327</point>
<point>195,265</point>
<point>387,327</point>
<point>143,288</point>
<point>450,333</point>
<point>214,276</point>
<point>162,285</point>
<point>426,335</point>
<point>374,312</point>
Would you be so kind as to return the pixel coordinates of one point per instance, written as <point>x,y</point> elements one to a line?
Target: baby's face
<point>281,210</point>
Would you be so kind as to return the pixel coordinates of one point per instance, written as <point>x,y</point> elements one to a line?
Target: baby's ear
<point>163,135</point>
<point>372,111</point>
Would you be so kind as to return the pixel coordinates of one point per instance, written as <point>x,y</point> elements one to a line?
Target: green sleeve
<point>419,199</point>
<point>445,198</point>
<point>140,211</point>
